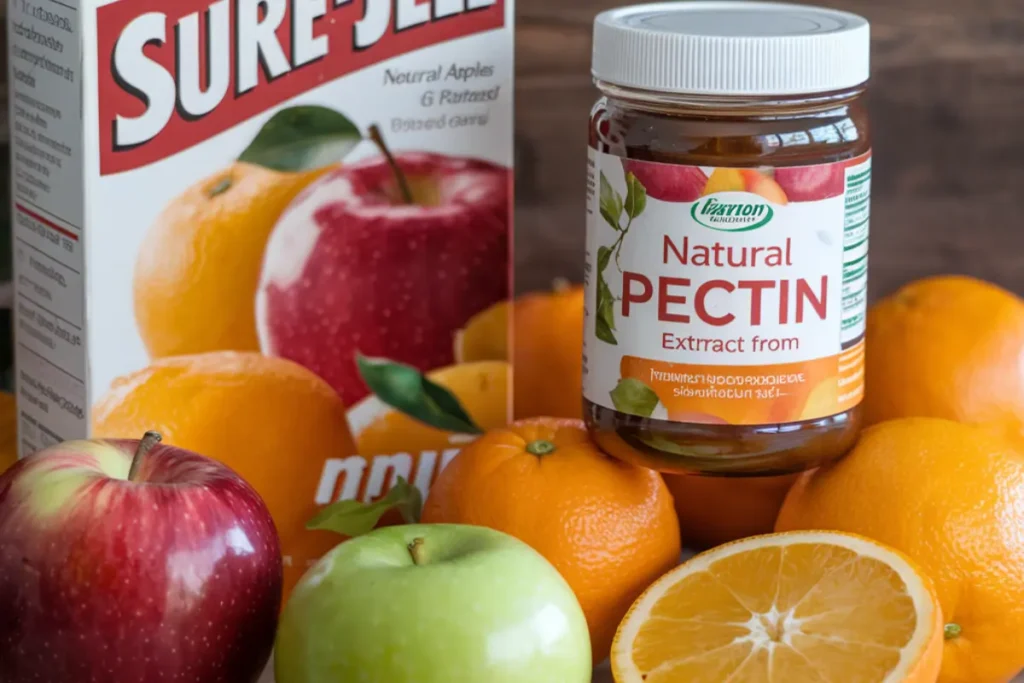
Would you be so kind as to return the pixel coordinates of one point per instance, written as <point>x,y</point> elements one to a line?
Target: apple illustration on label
<point>812,183</point>
<point>668,182</point>
<point>433,603</point>
<point>134,562</point>
<point>387,257</point>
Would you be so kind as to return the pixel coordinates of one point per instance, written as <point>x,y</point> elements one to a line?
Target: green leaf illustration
<point>604,255</point>
<point>610,202</point>
<point>604,333</point>
<point>636,196</point>
<point>302,138</point>
<point>605,303</point>
<point>404,388</point>
<point>352,518</point>
<point>634,397</point>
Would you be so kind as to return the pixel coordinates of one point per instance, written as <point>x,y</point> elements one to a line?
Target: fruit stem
<point>220,187</point>
<point>403,183</point>
<point>416,551</point>
<point>951,631</point>
<point>540,447</point>
<point>149,439</point>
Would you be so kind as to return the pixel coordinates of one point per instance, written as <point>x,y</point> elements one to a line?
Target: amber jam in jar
<point>726,277</point>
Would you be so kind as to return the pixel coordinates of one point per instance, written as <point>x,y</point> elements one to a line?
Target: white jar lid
<point>731,48</point>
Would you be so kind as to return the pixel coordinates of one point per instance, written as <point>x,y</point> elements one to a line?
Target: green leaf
<point>636,196</point>
<point>604,318</point>
<point>404,388</point>
<point>608,218</point>
<point>352,518</point>
<point>611,203</point>
<point>604,333</point>
<point>604,255</point>
<point>634,397</point>
<point>605,303</point>
<point>302,138</point>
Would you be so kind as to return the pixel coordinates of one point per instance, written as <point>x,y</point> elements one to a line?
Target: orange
<point>786,608</point>
<point>947,347</point>
<point>482,389</point>
<point>951,496</point>
<point>485,336</point>
<point>271,420</point>
<point>199,265</point>
<point>607,527</point>
<point>716,510</point>
<point>8,430</point>
<point>547,365</point>
<point>547,339</point>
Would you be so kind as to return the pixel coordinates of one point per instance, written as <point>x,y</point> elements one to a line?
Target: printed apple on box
<point>207,183</point>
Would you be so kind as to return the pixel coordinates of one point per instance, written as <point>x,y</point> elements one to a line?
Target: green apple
<point>433,603</point>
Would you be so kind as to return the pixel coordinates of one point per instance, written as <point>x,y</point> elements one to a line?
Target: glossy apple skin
<point>484,608</point>
<point>175,576</point>
<point>350,268</point>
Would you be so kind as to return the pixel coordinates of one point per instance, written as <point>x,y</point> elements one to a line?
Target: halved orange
<point>800,607</point>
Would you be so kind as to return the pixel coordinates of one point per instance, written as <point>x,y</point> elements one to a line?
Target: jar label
<point>726,295</point>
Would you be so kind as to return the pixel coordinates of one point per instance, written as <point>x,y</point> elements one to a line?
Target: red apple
<point>387,257</point>
<point>812,183</point>
<point>165,567</point>
<point>668,182</point>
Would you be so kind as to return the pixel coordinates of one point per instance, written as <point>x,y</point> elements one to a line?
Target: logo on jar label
<point>732,212</point>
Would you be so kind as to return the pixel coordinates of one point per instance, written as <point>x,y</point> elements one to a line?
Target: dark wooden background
<point>947,106</point>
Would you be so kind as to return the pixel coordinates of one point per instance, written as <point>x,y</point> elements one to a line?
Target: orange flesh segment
<point>779,614</point>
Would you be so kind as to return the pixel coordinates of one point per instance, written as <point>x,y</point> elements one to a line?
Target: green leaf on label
<point>634,397</point>
<point>604,255</point>
<point>604,333</point>
<point>352,518</point>
<point>302,138</point>
<point>608,219</point>
<point>611,203</point>
<point>636,196</point>
<point>605,303</point>
<point>404,388</point>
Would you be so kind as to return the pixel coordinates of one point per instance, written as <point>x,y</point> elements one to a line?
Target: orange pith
<point>786,608</point>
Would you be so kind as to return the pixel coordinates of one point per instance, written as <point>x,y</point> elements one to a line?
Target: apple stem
<point>416,551</point>
<point>149,439</point>
<point>403,183</point>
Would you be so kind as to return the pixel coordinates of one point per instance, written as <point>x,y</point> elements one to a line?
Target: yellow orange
<point>947,347</point>
<point>950,496</point>
<point>547,342</point>
<point>725,180</point>
<point>485,336</point>
<point>609,528</point>
<point>199,265</point>
<point>269,419</point>
<point>785,608</point>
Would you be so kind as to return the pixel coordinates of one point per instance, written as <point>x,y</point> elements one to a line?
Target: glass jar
<point>729,179</point>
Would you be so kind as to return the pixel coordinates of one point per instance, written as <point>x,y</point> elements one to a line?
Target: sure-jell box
<point>260,227</point>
